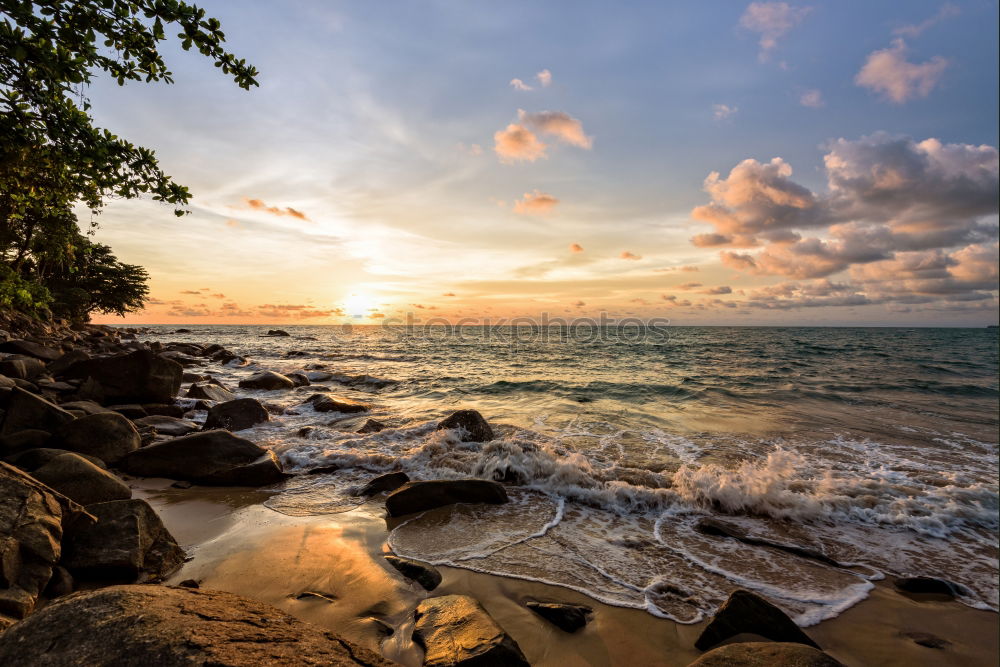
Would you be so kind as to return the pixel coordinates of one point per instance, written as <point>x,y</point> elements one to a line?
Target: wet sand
<point>328,570</point>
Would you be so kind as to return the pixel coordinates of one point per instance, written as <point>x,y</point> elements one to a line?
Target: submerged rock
<point>424,574</point>
<point>928,586</point>
<point>127,543</point>
<point>420,496</point>
<point>236,415</point>
<point>28,411</point>
<point>387,482</point>
<point>210,392</point>
<point>323,403</point>
<point>277,332</point>
<point>372,426</point>
<point>138,377</point>
<point>566,617</point>
<point>135,626</point>
<point>765,654</point>
<point>455,631</point>
<point>268,380</point>
<point>107,435</point>
<point>210,457</point>
<point>473,426</point>
<point>80,480</point>
<point>747,612</point>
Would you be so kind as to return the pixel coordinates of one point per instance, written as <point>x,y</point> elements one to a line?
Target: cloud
<point>721,289</point>
<point>259,205</point>
<point>218,296</point>
<point>535,203</point>
<point>915,30</point>
<point>296,311</point>
<point>518,143</point>
<point>558,124</point>
<point>575,247</point>
<point>580,304</point>
<point>448,294</point>
<point>688,286</point>
<point>812,99</point>
<point>772,21</point>
<point>517,84</point>
<point>544,78</point>
<point>888,73</point>
<point>191,291</point>
<point>629,255</point>
<point>723,111</point>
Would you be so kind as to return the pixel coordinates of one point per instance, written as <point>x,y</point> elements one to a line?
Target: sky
<point>762,163</point>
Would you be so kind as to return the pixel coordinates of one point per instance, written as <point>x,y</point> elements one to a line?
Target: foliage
<point>23,295</point>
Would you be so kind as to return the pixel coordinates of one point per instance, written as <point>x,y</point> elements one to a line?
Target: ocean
<point>839,456</point>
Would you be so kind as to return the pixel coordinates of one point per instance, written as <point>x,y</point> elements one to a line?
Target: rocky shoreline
<point>85,410</point>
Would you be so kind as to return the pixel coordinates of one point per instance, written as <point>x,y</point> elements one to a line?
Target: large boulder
<point>107,435</point>
<point>210,392</point>
<point>420,496</point>
<point>28,411</point>
<point>455,631</point>
<point>236,415</point>
<point>31,532</point>
<point>424,574</point>
<point>472,426</point>
<point>28,348</point>
<point>136,626</point>
<point>59,366</point>
<point>127,543</point>
<point>31,460</point>
<point>29,438</point>
<point>765,654</point>
<point>324,403</point>
<point>267,380</point>
<point>209,457</point>
<point>746,612</point>
<point>137,377</point>
<point>387,482</point>
<point>80,480</point>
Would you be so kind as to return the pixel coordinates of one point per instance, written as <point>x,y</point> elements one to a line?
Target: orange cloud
<point>232,223</point>
<point>629,255</point>
<point>258,205</point>
<point>518,143</point>
<point>575,247</point>
<point>535,203</point>
<point>888,73</point>
<point>559,124</point>
<point>448,294</point>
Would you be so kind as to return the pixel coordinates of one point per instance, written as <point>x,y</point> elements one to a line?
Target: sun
<point>358,304</point>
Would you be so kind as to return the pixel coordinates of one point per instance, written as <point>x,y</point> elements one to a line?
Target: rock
<point>136,626</point>
<point>765,654</point>
<point>172,426</point>
<point>26,347</point>
<point>131,410</point>
<point>566,617</point>
<point>210,458</point>
<point>109,436</point>
<point>420,496</point>
<point>926,639</point>
<point>30,460</point>
<point>277,332</point>
<point>163,410</point>
<point>190,583</point>
<point>6,382</point>
<point>455,630</point>
<point>299,379</point>
<point>59,366</point>
<point>127,543</point>
<point>473,427</point>
<point>14,369</point>
<point>27,411</point>
<point>236,415</point>
<point>387,482</point>
<point>88,407</point>
<point>928,586</point>
<point>268,380</point>
<point>719,528</point>
<point>137,377</point>
<point>31,531</point>
<point>747,612</point>
<point>182,484</point>
<point>30,438</point>
<point>372,426</point>
<point>210,392</point>
<point>323,403</point>
<point>424,574</point>
<point>61,583</point>
<point>80,480</point>
<point>193,377</point>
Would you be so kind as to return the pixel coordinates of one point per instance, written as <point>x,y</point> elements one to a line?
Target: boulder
<point>131,410</point>
<point>387,482</point>
<point>30,438</point>
<point>424,574</point>
<point>420,496</point>
<point>164,425</point>
<point>472,426</point>
<point>299,379</point>
<point>372,426</point>
<point>59,366</point>
<point>14,369</point>
<point>136,626</point>
<point>210,392</point>
<point>268,380</point>
<point>187,376</point>
<point>127,543</point>
<point>236,415</point>
<point>137,377</point>
<point>88,407</point>
<point>210,458</point>
<point>566,617</point>
<point>31,532</point>
<point>31,460</point>
<point>455,631</point>
<point>28,411</point>
<point>747,612</point>
<point>765,654</point>
<point>27,348</point>
<point>109,436</point>
<point>277,332</point>
<point>324,403</point>
<point>80,480</point>
<point>6,382</point>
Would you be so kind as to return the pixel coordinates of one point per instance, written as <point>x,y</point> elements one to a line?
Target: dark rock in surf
<point>456,631</point>
<point>212,458</point>
<point>28,411</point>
<point>210,392</point>
<point>137,377</point>
<point>267,380</point>
<point>424,574</point>
<point>323,403</point>
<point>299,379</point>
<point>760,654</point>
<point>929,586</point>
<point>163,425</point>
<point>109,436</point>
<point>718,528</point>
<point>127,543</point>
<point>372,426</point>
<point>926,639</point>
<point>420,496</point>
<point>236,415</point>
<point>387,482</point>
<point>747,612</point>
<point>473,426</point>
<point>80,480</point>
<point>277,332</point>
<point>134,626</point>
<point>566,617</point>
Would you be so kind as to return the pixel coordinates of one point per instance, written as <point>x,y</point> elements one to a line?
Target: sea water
<point>844,455</point>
